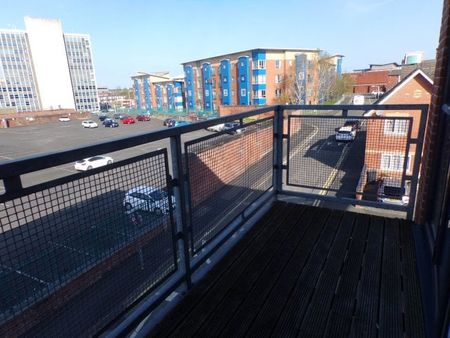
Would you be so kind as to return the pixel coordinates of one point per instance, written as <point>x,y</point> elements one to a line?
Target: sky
<point>147,35</point>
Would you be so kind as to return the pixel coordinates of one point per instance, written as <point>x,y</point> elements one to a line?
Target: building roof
<point>398,86</point>
<point>250,50</point>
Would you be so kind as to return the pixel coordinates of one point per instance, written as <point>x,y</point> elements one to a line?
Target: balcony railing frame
<point>11,171</point>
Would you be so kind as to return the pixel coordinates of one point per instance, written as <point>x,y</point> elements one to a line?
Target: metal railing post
<point>182,234</point>
<point>278,149</point>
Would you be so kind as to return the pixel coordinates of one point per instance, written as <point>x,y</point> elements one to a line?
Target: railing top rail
<point>37,162</point>
<point>357,107</point>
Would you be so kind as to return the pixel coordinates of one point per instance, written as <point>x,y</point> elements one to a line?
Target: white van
<point>358,99</point>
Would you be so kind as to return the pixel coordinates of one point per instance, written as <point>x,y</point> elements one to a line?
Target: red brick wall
<point>213,168</point>
<point>365,81</point>
<point>416,91</point>
<point>41,117</point>
<point>429,154</point>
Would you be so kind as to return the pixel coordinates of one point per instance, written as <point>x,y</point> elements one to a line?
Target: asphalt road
<point>321,165</point>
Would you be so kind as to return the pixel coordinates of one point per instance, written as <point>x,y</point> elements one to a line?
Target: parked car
<point>148,199</point>
<point>118,116</point>
<point>128,120</point>
<point>102,117</point>
<point>110,123</point>
<point>392,195</point>
<point>64,119</point>
<point>168,122</point>
<point>355,124</point>
<point>233,128</point>
<point>89,124</point>
<point>180,123</point>
<point>346,134</point>
<point>93,162</point>
<point>143,117</point>
<point>217,127</point>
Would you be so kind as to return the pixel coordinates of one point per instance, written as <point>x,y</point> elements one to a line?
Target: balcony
<point>274,228</point>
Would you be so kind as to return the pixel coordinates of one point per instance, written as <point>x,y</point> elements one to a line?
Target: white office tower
<point>42,68</point>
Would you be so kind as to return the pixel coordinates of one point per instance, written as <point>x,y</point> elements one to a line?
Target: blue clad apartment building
<point>158,91</point>
<point>258,76</point>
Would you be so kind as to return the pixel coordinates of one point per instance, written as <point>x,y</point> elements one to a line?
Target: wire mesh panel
<point>77,251</point>
<point>226,173</point>
<point>368,158</point>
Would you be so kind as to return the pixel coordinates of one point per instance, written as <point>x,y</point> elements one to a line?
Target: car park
<point>110,123</point>
<point>93,162</point>
<point>346,134</point>
<point>128,120</point>
<point>143,117</point>
<point>146,198</point>
<point>64,119</point>
<point>102,117</point>
<point>118,116</point>
<point>89,124</point>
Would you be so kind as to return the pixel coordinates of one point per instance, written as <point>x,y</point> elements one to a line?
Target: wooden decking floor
<point>308,272</point>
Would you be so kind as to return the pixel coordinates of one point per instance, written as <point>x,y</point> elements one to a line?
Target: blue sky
<point>144,35</point>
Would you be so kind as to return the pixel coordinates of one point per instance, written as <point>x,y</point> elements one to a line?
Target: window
<point>278,64</point>
<point>206,92</point>
<point>225,79</point>
<point>277,92</point>
<point>242,78</point>
<point>259,79</point>
<point>394,162</point>
<point>395,127</point>
<point>225,92</point>
<point>261,64</point>
<point>243,92</point>
<point>278,78</point>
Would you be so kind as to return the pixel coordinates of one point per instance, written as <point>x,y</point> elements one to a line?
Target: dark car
<point>168,122</point>
<point>233,128</point>
<point>118,116</point>
<point>102,117</point>
<point>143,118</point>
<point>110,123</point>
<point>355,124</point>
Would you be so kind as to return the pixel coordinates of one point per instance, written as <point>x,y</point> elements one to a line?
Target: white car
<point>217,127</point>
<point>345,134</point>
<point>148,199</point>
<point>64,119</point>
<point>89,124</point>
<point>93,162</point>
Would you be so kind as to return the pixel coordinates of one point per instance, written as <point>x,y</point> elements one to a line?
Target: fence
<point>76,252</point>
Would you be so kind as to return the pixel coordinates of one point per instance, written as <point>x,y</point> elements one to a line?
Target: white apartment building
<point>41,68</point>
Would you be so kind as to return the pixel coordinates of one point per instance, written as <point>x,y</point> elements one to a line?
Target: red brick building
<point>386,139</point>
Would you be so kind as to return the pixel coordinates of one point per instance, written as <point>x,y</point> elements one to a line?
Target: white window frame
<point>225,92</point>
<point>278,78</point>
<point>277,64</point>
<point>395,127</point>
<point>388,162</point>
<point>278,92</point>
<point>243,92</point>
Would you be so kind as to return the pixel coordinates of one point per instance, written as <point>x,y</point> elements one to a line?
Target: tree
<point>321,79</point>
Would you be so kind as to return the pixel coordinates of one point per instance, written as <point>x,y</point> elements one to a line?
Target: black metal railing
<point>78,251</point>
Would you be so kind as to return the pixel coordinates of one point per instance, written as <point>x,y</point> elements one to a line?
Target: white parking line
<point>24,274</point>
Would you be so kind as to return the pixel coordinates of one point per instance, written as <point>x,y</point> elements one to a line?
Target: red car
<point>128,120</point>
<point>143,118</point>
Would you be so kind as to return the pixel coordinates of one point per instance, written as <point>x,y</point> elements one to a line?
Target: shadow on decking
<point>306,271</point>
